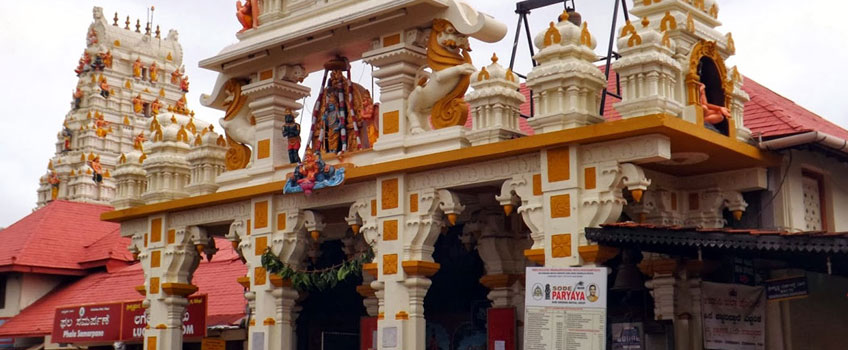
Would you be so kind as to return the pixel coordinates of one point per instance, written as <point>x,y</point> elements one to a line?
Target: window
<point>2,291</point>
<point>814,201</point>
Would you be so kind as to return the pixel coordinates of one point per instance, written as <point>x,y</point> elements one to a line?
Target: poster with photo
<point>565,308</point>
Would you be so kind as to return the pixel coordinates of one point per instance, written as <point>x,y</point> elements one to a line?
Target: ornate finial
<point>494,58</point>
<point>158,32</point>
<point>115,23</point>
<point>645,21</point>
<point>127,27</point>
<point>563,16</point>
<point>147,29</point>
<point>138,26</point>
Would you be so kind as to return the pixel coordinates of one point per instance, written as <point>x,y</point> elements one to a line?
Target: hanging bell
<point>508,209</point>
<point>452,219</point>
<point>637,195</point>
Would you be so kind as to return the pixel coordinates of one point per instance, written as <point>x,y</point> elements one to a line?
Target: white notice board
<point>565,308</point>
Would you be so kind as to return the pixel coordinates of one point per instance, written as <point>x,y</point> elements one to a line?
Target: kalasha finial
<point>115,23</point>
<point>138,26</point>
<point>147,29</point>
<point>158,32</point>
<point>127,27</point>
<point>564,16</point>
<point>494,58</point>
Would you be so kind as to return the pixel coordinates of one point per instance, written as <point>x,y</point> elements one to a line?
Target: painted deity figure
<point>335,117</point>
<point>184,84</point>
<point>713,114</point>
<point>137,68</point>
<point>78,94</point>
<point>176,76</point>
<point>100,123</point>
<point>244,13</point>
<point>154,72</point>
<point>308,169</point>
<point>83,65</point>
<point>104,87</point>
<point>291,131</point>
<point>107,58</point>
<point>181,105</point>
<point>97,169</point>
<point>155,106</point>
<point>53,180</point>
<point>98,63</point>
<point>138,104</point>
<point>66,138</point>
<point>138,142</point>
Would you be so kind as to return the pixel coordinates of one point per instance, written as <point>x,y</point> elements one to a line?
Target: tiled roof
<point>814,242</point>
<point>774,115</point>
<point>217,279</point>
<point>60,236</point>
<point>767,113</point>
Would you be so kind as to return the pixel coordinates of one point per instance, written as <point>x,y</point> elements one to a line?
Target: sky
<point>791,47</point>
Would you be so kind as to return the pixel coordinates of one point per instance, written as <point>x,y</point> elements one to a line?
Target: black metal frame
<point>611,54</point>
<point>523,8</point>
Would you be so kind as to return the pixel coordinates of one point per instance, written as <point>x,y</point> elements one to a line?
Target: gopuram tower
<point>129,72</point>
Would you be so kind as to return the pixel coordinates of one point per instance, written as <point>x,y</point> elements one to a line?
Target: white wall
<point>788,208</point>
<point>24,289</point>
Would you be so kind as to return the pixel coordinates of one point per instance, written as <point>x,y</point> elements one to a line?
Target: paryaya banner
<point>118,321</point>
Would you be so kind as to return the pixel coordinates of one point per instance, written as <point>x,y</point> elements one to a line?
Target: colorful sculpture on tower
<point>155,106</point>
<point>104,87</point>
<point>78,94</point>
<point>66,138</point>
<point>441,97</point>
<point>138,104</point>
<point>53,180</point>
<point>184,83</point>
<point>245,14</point>
<point>137,68</point>
<point>291,131</point>
<point>154,72</point>
<point>97,169</point>
<point>713,114</point>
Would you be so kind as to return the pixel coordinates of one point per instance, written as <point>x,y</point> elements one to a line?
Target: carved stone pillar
<point>272,299</point>
<point>363,221</point>
<point>169,258</point>
<point>269,100</point>
<point>409,223</point>
<point>397,59</point>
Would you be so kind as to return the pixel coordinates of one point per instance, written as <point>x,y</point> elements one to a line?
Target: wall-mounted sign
<point>565,308</point>
<point>786,288</point>
<point>194,319</point>
<point>87,323</point>
<point>627,336</point>
<point>734,316</point>
<point>118,321</point>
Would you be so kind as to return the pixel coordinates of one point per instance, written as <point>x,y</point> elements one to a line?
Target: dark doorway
<point>330,317</point>
<point>711,78</point>
<point>456,304</point>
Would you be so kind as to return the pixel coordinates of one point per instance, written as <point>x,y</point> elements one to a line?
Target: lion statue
<point>441,97</point>
<point>238,126</point>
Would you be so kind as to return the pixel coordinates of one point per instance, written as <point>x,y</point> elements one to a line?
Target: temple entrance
<point>329,319</point>
<point>456,304</point>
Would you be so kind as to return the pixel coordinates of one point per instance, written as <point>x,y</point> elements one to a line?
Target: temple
<point>414,221</point>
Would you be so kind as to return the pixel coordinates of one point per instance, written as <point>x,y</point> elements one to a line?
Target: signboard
<point>6,342</point>
<point>627,336</point>
<point>119,321</point>
<point>213,344</point>
<point>565,308</point>
<point>194,319</point>
<point>87,323</point>
<point>786,288</point>
<point>734,316</point>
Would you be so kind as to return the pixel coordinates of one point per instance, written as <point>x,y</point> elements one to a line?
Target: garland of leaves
<point>320,279</point>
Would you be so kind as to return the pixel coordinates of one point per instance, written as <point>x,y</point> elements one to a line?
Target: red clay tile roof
<point>217,279</point>
<point>767,113</point>
<point>774,115</point>
<point>58,237</point>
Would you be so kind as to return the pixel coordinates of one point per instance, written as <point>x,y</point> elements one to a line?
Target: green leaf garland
<point>320,280</point>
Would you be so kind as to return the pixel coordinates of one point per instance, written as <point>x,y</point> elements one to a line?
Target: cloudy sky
<point>793,47</point>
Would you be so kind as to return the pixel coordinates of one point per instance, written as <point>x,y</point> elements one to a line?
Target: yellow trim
<point>263,149</point>
<point>742,156</point>
<point>561,245</point>
<point>391,122</point>
<point>260,214</point>
<point>260,246</point>
<point>561,206</point>
<point>281,221</point>
<point>390,230</point>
